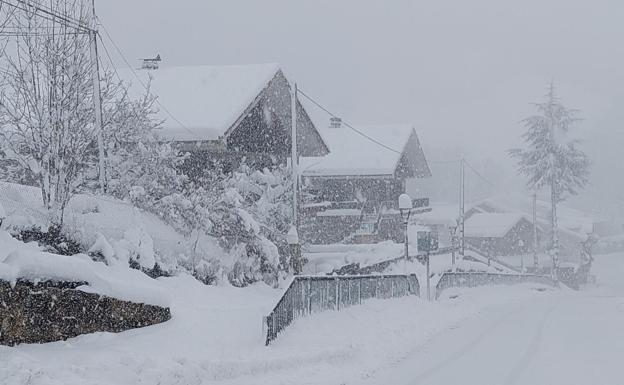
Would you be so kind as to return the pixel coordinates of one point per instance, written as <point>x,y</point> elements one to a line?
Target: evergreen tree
<point>552,157</point>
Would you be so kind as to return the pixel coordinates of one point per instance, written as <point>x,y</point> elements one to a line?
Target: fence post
<point>326,295</point>
<point>309,296</point>
<point>337,293</point>
<point>349,281</point>
<point>302,305</point>
<point>359,291</point>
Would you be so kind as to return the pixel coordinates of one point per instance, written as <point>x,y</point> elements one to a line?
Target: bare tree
<point>46,114</point>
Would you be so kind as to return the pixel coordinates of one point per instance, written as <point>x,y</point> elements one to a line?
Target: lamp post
<point>453,230</point>
<point>521,248</point>
<point>295,250</point>
<point>405,208</point>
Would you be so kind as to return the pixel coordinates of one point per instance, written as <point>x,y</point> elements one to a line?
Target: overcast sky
<point>464,72</point>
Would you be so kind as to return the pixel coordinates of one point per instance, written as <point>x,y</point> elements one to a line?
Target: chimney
<point>151,64</point>
<point>335,122</point>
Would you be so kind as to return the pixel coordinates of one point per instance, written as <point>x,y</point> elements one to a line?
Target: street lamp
<point>405,208</point>
<point>453,231</point>
<point>295,250</point>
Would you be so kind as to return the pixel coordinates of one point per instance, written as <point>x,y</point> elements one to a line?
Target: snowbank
<point>215,336</point>
<point>24,261</point>
<point>101,222</point>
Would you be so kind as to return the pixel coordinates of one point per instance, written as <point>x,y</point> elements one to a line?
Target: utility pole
<point>462,207</point>
<point>535,259</point>
<point>453,231</point>
<point>294,162</point>
<point>293,234</point>
<point>97,100</point>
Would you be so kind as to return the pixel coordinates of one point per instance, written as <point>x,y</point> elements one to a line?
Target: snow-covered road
<point>568,338</point>
<point>488,335</point>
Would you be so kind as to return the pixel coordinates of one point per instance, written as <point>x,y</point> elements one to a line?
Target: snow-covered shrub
<point>54,240</point>
<point>267,197</point>
<point>235,224</point>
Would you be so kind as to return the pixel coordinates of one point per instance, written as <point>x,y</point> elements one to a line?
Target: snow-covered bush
<point>267,197</point>
<point>235,225</point>
<point>251,256</point>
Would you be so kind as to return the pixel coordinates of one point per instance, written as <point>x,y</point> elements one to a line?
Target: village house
<point>442,220</point>
<point>500,234</point>
<point>224,114</point>
<point>355,188</point>
<point>574,225</point>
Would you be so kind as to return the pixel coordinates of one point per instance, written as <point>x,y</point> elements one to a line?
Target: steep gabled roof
<point>360,154</point>
<point>206,100</point>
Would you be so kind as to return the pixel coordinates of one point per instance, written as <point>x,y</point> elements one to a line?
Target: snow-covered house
<point>574,225</point>
<point>500,234</point>
<point>371,163</point>
<point>361,178</point>
<point>226,113</point>
<point>442,219</point>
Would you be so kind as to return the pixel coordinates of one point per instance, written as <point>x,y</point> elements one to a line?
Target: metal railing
<point>492,258</point>
<point>449,280</point>
<point>312,294</point>
<point>381,266</point>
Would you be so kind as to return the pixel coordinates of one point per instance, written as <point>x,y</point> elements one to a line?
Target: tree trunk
<point>554,224</point>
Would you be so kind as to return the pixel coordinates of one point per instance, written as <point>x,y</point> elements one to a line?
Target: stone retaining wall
<point>54,311</point>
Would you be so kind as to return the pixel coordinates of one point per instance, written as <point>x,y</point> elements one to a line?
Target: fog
<point>464,73</point>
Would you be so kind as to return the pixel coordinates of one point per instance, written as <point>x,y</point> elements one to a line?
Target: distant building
<point>574,225</point>
<point>441,220</point>
<point>151,64</point>
<point>356,186</point>
<point>223,114</point>
<point>500,234</point>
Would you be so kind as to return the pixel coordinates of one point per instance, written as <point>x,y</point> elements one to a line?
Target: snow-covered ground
<point>216,335</point>
<point>90,218</point>
<point>562,338</point>
<point>26,261</point>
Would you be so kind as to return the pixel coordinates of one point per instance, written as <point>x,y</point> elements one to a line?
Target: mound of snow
<point>91,220</point>
<point>28,263</point>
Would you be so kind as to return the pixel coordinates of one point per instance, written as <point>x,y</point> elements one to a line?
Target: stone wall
<point>53,311</point>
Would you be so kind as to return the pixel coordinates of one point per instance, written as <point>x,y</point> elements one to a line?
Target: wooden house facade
<point>500,234</point>
<point>221,115</point>
<point>356,186</point>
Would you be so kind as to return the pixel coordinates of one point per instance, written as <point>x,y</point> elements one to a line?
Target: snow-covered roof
<point>491,225</point>
<point>206,100</point>
<point>569,218</point>
<point>354,153</point>
<point>340,213</point>
<point>440,214</point>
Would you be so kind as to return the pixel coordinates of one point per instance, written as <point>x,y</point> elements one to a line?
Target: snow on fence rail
<point>312,294</point>
<point>481,279</point>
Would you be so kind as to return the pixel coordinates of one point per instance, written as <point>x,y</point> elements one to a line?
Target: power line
<point>348,125</point>
<point>112,64</point>
<point>110,60</point>
<point>123,57</point>
<point>51,12</point>
<point>479,174</point>
<point>50,15</point>
<point>46,34</point>
<point>25,10</point>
